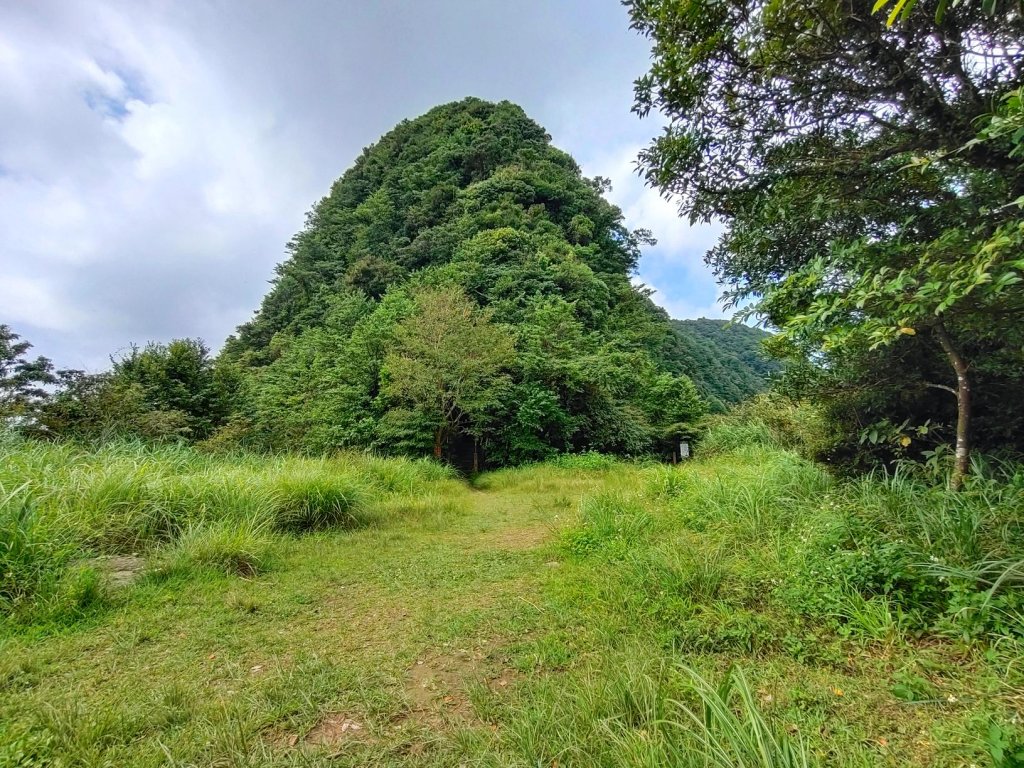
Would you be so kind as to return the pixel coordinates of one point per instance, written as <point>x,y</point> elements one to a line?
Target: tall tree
<point>860,203</point>
<point>449,364</point>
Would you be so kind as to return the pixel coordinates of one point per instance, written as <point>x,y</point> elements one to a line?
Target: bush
<point>771,421</point>
<point>889,553</point>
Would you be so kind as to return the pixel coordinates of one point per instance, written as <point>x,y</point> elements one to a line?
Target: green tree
<point>842,154</point>
<point>179,377</point>
<point>674,406</point>
<point>23,381</point>
<point>449,365</point>
<point>103,406</point>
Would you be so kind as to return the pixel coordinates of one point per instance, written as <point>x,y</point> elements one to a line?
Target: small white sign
<point>684,450</point>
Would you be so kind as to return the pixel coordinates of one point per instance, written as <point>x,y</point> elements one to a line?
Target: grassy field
<point>745,609</point>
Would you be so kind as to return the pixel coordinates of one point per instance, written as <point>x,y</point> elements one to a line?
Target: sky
<point>156,157</point>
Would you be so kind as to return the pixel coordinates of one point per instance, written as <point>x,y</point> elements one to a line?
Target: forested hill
<point>726,360</point>
<point>462,290</point>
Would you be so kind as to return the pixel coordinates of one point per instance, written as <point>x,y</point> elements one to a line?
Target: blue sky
<point>157,156</point>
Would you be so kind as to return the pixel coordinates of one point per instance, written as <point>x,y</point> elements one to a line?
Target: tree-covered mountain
<point>463,289</point>
<point>726,361</point>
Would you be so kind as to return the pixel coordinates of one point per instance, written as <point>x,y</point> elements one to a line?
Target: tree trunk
<point>476,456</point>
<point>962,463</point>
<point>437,442</point>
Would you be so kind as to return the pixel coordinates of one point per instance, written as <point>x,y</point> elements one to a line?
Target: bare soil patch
<point>437,686</point>
<point>334,729</point>
<point>119,570</point>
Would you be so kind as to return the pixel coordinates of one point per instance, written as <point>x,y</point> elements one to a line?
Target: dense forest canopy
<point>727,361</point>
<point>463,289</point>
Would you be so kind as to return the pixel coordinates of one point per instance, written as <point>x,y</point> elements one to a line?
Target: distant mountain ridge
<point>726,360</point>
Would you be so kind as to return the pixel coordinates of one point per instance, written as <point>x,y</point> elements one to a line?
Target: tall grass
<point>634,709</point>
<point>234,547</point>
<point>62,504</point>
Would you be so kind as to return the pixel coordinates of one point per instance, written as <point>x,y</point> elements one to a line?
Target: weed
<point>730,730</point>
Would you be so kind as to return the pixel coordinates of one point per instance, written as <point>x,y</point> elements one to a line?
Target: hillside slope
<point>726,361</point>
<point>465,291</point>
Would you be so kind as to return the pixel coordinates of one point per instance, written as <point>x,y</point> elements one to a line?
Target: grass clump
<point>28,554</point>
<point>608,523</point>
<point>62,505</point>
<point>730,730</point>
<point>235,548</point>
<point>892,553</point>
<point>311,498</point>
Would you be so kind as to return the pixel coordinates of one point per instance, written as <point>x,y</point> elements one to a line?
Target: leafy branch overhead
<point>869,176</point>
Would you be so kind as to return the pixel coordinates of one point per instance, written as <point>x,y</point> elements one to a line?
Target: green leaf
<point>903,692</point>
<point>897,9</point>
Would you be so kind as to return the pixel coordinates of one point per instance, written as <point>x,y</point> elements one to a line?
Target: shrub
<point>769,420</point>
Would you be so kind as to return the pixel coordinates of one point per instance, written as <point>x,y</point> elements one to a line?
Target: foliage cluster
<point>770,420</point>
<point>868,170</point>
<point>465,291</point>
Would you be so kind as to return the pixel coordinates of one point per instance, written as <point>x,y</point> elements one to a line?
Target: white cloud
<point>674,267</point>
<point>33,301</point>
<point>155,158</point>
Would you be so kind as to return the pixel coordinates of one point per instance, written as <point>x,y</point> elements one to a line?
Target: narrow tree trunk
<point>437,442</point>
<point>476,456</point>
<point>962,464</point>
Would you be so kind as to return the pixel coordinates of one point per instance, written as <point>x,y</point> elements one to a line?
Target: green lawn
<point>546,616</point>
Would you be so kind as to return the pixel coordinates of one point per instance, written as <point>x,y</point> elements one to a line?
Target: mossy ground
<point>495,623</point>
